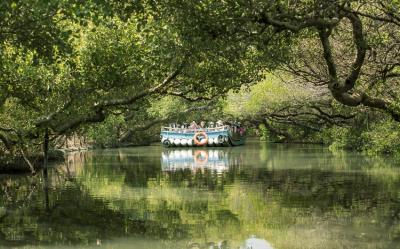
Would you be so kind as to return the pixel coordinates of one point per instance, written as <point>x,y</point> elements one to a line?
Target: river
<point>256,196</point>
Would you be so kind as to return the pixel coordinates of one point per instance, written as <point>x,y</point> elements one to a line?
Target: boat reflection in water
<point>255,243</point>
<point>251,243</point>
<point>195,159</point>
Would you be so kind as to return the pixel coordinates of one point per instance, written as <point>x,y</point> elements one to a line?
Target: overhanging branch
<point>98,113</point>
<point>150,124</point>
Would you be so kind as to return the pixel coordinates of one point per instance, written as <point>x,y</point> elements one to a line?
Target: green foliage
<point>166,107</point>
<point>382,137</point>
<point>343,138</point>
<point>263,132</point>
<point>378,137</point>
<point>286,107</point>
<point>107,133</point>
<point>67,63</point>
<point>269,94</point>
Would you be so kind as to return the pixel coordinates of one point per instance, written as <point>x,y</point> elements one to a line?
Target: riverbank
<point>11,164</point>
<point>18,165</point>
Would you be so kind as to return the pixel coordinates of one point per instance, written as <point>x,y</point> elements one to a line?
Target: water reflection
<point>256,243</point>
<point>195,159</point>
<point>150,197</point>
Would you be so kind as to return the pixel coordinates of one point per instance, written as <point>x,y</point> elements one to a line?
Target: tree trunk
<point>45,151</point>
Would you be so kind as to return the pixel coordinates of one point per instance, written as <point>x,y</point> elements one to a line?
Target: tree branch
<point>341,91</point>
<point>324,38</point>
<point>98,109</point>
<point>361,46</point>
<point>191,99</point>
<point>159,88</point>
<point>275,130</point>
<point>390,19</point>
<point>32,168</point>
<point>150,124</point>
<point>297,25</point>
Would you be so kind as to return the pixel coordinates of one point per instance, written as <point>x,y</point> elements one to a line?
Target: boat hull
<point>214,138</point>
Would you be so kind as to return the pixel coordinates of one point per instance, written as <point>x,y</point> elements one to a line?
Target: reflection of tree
<point>139,175</point>
<point>326,193</point>
<point>74,216</point>
<point>112,195</point>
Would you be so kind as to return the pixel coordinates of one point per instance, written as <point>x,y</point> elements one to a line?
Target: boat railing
<point>191,130</point>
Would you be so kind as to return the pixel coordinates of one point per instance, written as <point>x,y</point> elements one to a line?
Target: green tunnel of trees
<point>303,71</point>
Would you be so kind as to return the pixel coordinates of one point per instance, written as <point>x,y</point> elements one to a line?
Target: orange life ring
<point>196,140</point>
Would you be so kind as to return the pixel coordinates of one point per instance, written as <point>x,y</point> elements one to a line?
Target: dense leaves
<point>67,64</point>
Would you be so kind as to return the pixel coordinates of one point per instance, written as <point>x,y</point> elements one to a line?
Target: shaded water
<point>152,197</point>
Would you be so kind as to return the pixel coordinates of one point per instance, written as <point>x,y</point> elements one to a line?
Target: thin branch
<point>32,168</point>
<point>150,124</point>
<point>190,99</point>
<point>297,25</point>
<point>276,130</point>
<point>126,101</point>
<point>98,109</point>
<point>391,19</point>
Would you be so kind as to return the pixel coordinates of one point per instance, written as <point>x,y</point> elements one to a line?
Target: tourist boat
<point>225,135</point>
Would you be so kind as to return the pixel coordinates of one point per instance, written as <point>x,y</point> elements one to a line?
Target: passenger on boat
<point>219,125</point>
<point>173,126</point>
<point>202,124</point>
<point>193,125</point>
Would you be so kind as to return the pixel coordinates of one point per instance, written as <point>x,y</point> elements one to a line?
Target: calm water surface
<point>259,196</point>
